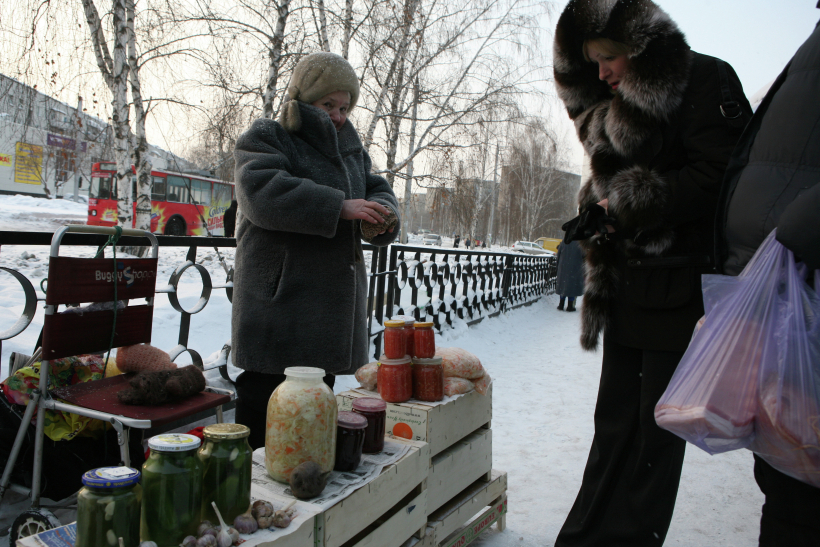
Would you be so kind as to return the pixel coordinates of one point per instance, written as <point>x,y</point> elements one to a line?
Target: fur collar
<point>652,88</point>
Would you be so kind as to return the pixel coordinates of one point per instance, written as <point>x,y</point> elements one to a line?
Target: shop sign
<point>28,163</point>
<point>60,141</point>
<point>5,160</point>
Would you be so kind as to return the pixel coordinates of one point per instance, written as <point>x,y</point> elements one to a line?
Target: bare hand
<point>362,209</point>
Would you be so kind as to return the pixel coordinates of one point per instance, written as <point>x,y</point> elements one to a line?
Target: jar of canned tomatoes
<point>409,332</point>
<point>428,379</point>
<point>108,507</point>
<point>424,340</point>
<point>375,410</point>
<point>395,379</point>
<point>395,339</point>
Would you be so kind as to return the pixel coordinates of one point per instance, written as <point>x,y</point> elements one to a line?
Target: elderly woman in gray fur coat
<point>306,192</point>
<point>659,123</point>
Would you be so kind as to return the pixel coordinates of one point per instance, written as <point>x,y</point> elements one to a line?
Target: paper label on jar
<point>116,472</point>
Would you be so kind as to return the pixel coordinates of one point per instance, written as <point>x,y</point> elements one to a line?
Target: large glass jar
<point>108,507</point>
<point>395,339</point>
<point>375,410</point>
<point>301,423</point>
<point>171,490</point>
<point>424,340</point>
<point>395,379</point>
<point>227,459</point>
<point>428,379</point>
<point>349,441</point>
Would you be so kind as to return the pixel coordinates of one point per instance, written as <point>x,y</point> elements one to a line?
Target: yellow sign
<point>28,163</point>
<point>5,160</point>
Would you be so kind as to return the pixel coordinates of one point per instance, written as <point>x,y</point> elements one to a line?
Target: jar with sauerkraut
<point>301,424</point>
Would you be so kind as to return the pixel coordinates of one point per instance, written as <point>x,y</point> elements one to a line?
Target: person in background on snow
<point>304,186</point>
<point>455,241</point>
<point>659,123</point>
<point>773,181</point>
<point>569,282</point>
<point>229,219</point>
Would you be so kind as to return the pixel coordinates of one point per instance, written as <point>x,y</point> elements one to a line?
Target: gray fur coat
<point>300,284</point>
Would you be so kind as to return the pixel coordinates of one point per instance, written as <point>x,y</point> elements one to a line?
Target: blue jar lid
<point>111,477</point>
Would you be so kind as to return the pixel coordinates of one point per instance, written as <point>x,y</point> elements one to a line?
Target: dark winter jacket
<point>570,278</point>
<point>300,286</point>
<point>658,149</point>
<point>229,219</point>
<point>773,180</point>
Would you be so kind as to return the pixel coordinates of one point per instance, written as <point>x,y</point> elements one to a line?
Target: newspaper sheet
<point>339,486</point>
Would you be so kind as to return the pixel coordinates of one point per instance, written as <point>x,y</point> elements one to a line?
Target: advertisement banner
<point>60,141</point>
<point>28,163</point>
<point>5,160</point>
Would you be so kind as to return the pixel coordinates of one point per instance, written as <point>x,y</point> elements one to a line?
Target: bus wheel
<point>175,227</point>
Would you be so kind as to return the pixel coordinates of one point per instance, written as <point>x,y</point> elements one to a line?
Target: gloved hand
<point>591,220</point>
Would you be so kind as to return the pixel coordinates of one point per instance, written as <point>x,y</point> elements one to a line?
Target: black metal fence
<point>431,284</point>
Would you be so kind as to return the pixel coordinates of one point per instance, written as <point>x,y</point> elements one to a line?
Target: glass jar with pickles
<point>227,460</point>
<point>171,490</point>
<point>108,507</point>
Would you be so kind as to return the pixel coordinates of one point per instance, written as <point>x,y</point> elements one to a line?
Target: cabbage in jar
<point>108,507</point>
<point>171,490</point>
<point>227,459</point>
<point>301,424</point>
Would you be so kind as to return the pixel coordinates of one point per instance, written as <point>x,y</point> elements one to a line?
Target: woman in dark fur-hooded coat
<point>304,186</point>
<point>659,123</point>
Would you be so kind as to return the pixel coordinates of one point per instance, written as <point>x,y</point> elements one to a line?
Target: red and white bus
<point>181,203</point>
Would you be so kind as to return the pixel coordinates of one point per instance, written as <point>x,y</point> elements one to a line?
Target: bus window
<point>158,189</point>
<point>178,189</point>
<point>201,192</point>
<point>222,195</point>
<point>101,188</point>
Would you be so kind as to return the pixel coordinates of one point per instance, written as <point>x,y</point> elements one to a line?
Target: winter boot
<point>560,304</point>
<point>571,305</point>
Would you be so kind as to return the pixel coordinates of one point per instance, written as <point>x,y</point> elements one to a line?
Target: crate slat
<point>456,468</point>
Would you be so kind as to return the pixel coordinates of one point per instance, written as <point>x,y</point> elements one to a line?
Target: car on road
<point>431,239</point>
<point>531,248</point>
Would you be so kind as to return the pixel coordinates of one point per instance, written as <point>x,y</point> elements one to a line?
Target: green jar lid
<point>111,477</point>
<point>223,432</point>
<point>174,442</point>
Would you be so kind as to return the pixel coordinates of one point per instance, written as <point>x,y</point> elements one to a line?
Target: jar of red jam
<point>375,411</point>
<point>395,379</point>
<point>409,331</point>
<point>350,432</point>
<point>424,341</point>
<point>428,379</point>
<point>395,340</point>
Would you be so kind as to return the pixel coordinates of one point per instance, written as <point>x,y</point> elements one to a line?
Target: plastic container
<point>227,459</point>
<point>108,507</point>
<point>375,410</point>
<point>424,341</point>
<point>428,379</point>
<point>350,434</point>
<point>395,339</point>
<point>301,424</point>
<point>171,490</point>
<point>395,379</point>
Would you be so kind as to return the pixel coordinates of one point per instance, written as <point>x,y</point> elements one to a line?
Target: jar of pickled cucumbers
<point>171,490</point>
<point>301,424</point>
<point>108,508</point>
<point>226,458</point>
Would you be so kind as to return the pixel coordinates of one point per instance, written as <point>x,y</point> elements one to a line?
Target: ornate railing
<point>432,284</point>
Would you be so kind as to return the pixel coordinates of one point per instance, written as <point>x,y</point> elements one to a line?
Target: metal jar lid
<point>111,477</point>
<point>225,431</point>
<point>394,323</point>
<point>408,319</point>
<point>351,420</point>
<point>369,404</point>
<point>174,442</point>
<point>422,325</point>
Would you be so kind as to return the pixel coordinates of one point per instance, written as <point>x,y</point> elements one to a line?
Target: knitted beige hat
<point>315,76</point>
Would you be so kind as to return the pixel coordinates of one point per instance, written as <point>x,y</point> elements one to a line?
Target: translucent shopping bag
<point>787,424</point>
<point>711,400</point>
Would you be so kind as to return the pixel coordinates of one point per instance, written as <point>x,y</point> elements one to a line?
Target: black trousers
<point>253,389</point>
<point>632,474</point>
<point>791,512</point>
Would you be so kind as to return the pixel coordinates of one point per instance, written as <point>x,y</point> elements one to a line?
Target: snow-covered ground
<point>543,396</point>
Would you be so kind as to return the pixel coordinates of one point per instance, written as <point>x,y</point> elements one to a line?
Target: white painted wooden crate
<point>457,467</point>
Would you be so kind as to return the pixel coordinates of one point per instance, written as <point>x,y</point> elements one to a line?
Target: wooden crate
<point>440,426</point>
<point>456,468</point>
<point>463,518</point>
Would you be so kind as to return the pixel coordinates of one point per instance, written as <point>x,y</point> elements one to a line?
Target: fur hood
<point>619,130</point>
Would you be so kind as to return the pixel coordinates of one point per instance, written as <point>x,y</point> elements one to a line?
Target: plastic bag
<point>711,399</point>
<point>460,363</point>
<point>367,374</point>
<point>457,386</point>
<point>482,385</point>
<point>787,425</point>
